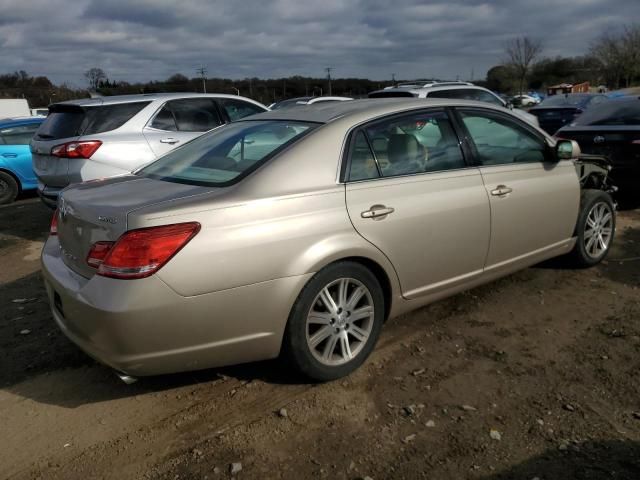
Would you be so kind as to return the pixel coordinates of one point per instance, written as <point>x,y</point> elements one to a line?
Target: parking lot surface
<point>535,375</point>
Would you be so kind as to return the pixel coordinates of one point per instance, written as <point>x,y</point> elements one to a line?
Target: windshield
<point>615,112</point>
<point>562,100</point>
<point>225,155</point>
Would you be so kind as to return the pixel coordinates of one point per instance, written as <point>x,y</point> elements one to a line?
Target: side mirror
<point>567,149</point>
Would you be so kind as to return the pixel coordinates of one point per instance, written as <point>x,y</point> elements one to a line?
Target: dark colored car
<point>557,111</point>
<point>612,130</point>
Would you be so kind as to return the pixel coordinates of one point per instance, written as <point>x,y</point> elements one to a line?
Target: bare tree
<point>618,55</point>
<point>521,53</point>
<point>95,76</point>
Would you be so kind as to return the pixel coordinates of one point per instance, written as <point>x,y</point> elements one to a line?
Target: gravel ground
<point>533,376</point>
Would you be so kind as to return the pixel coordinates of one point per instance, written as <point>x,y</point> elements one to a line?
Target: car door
<point>410,193</point>
<point>15,155</point>
<point>534,198</point>
<point>179,121</point>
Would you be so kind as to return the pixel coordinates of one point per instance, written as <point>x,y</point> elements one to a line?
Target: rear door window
<point>416,143</point>
<point>187,115</point>
<point>237,109</point>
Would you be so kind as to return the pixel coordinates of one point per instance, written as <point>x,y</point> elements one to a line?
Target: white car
<point>453,90</point>
<point>524,100</point>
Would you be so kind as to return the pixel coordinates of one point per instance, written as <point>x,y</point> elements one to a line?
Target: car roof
<point>417,89</point>
<point>147,97</point>
<point>360,110</point>
<point>10,122</point>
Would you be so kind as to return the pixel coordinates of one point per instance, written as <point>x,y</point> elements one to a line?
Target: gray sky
<point>138,40</point>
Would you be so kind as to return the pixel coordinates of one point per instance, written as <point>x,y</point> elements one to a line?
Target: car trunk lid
<point>97,211</point>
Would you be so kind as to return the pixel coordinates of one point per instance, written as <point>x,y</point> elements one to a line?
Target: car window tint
<point>417,143</point>
<point>165,120</point>
<point>453,93</point>
<point>237,109</point>
<point>108,117</point>
<point>194,114</point>
<point>499,140</point>
<point>363,164</point>
<point>18,135</point>
<point>613,112</point>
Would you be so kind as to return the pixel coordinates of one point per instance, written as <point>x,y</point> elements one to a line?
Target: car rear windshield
<point>615,112</point>
<point>66,121</point>
<point>225,155</point>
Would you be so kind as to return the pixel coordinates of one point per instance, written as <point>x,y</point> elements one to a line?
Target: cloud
<point>137,40</point>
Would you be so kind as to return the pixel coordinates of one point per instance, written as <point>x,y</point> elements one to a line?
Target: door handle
<point>169,140</point>
<point>501,191</point>
<point>377,212</point>
<point>9,155</point>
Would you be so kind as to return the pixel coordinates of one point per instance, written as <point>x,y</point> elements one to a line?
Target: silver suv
<point>454,90</point>
<point>102,137</point>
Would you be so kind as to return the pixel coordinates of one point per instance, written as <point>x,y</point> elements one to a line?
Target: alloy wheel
<point>340,321</point>
<point>598,230</point>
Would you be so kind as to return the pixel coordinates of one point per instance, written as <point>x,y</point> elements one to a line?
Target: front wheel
<point>595,228</point>
<point>335,322</point>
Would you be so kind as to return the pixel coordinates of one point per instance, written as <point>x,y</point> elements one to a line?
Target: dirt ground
<point>535,376</point>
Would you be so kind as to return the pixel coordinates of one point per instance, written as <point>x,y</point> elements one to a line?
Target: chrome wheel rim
<point>598,230</point>
<point>340,321</point>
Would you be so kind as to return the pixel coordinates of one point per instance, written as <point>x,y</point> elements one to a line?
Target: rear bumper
<point>49,195</point>
<point>143,327</point>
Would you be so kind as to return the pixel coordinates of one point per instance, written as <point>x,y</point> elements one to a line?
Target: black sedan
<point>612,130</point>
<point>559,110</point>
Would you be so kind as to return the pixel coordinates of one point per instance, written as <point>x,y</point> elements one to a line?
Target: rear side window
<point>391,94</point>
<point>71,121</point>
<point>109,117</point>
<point>187,115</point>
<point>237,109</point>
<point>18,135</point>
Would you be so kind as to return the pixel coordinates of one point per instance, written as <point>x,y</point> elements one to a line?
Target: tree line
<point>612,60</point>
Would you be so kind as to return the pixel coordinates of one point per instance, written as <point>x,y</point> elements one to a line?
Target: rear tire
<point>335,322</point>
<point>595,229</point>
<point>8,188</point>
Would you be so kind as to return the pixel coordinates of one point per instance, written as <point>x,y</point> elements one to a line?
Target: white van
<point>14,107</point>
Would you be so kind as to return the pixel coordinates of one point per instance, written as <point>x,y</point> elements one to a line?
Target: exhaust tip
<point>128,379</point>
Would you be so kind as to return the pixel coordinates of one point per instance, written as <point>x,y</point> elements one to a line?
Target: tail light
<point>141,253</point>
<point>53,229</point>
<point>635,142</point>
<point>83,149</point>
<point>98,253</point>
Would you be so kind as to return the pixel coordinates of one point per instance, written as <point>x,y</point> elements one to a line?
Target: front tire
<point>8,188</point>
<point>335,322</point>
<point>595,229</point>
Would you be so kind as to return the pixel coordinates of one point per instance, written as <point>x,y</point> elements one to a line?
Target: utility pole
<point>328,70</point>
<point>393,78</point>
<point>203,72</point>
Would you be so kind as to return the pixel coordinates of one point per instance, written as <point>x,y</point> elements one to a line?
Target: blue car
<point>16,171</point>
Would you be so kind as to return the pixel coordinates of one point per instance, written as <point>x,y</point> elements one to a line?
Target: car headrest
<point>403,147</point>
